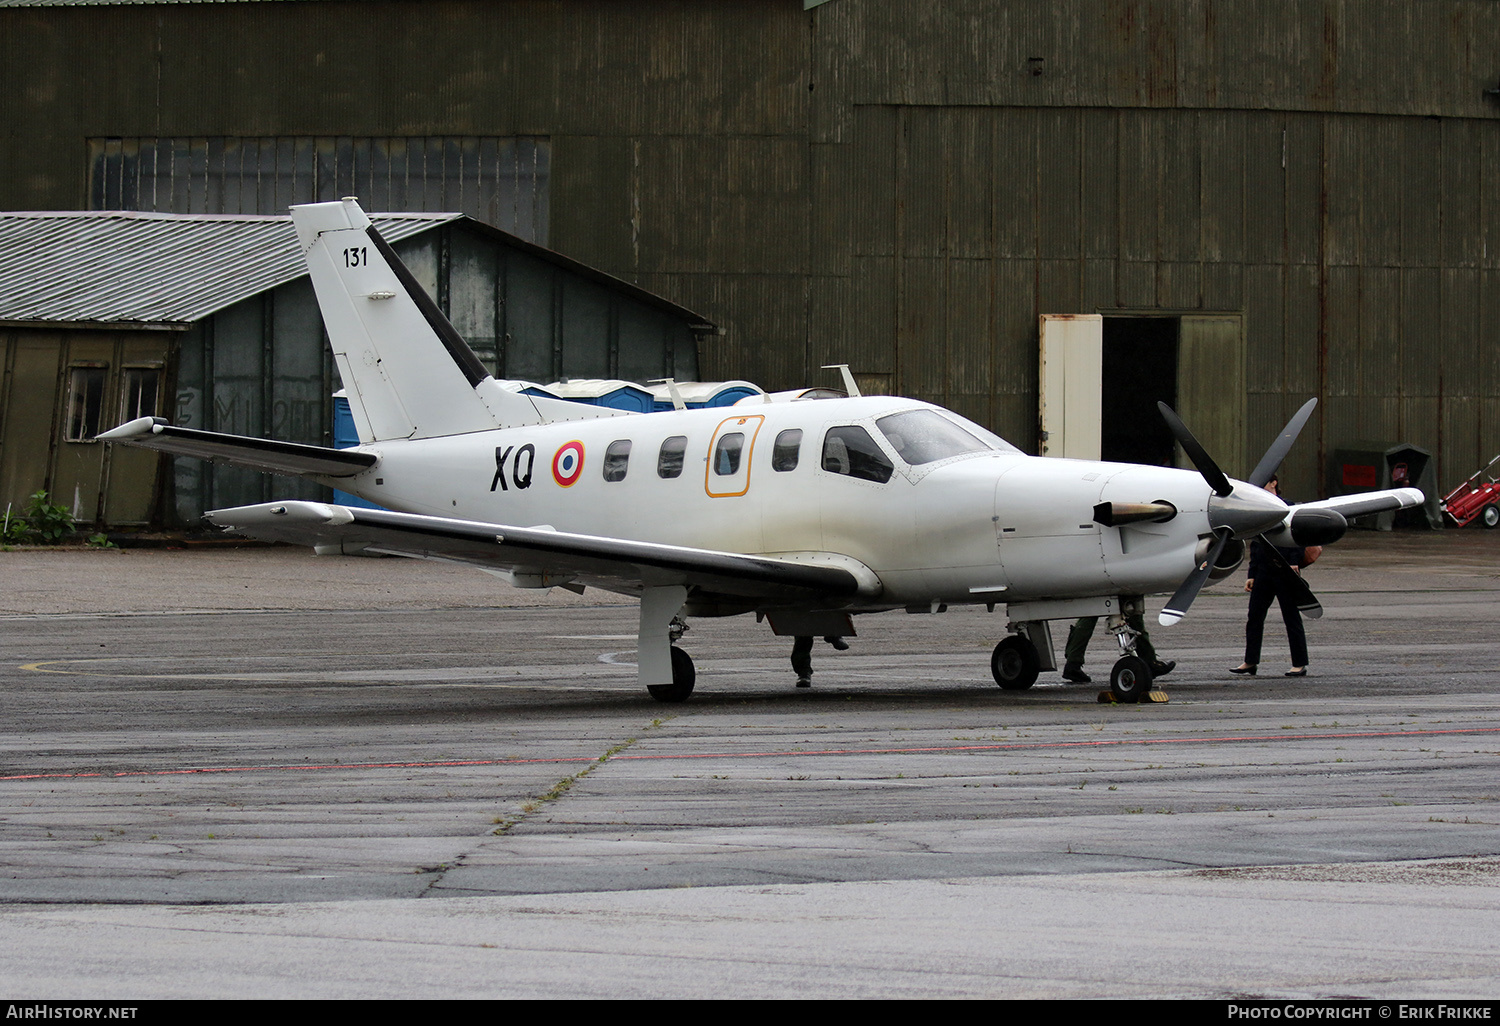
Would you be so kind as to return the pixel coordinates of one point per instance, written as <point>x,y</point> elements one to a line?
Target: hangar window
<point>787,451</point>
<point>669,460</point>
<point>727,453</point>
<point>852,452</point>
<point>500,180</point>
<point>616,460</point>
<point>85,402</point>
<point>138,394</point>
<point>922,436</point>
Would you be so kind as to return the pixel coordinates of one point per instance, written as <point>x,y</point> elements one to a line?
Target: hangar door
<point>1102,376</point>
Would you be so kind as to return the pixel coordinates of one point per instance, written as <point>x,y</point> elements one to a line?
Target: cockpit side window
<point>669,460</point>
<point>851,451</point>
<point>787,451</point>
<point>922,436</point>
<point>617,460</point>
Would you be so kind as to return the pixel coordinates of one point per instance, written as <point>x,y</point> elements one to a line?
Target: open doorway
<point>1139,370</point>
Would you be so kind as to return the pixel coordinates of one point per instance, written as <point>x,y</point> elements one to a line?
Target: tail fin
<point>408,374</point>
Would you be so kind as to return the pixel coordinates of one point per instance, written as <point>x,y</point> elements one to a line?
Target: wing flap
<point>602,562</point>
<point>290,458</point>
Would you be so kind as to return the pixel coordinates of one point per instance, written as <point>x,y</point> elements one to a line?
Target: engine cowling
<point>1317,526</point>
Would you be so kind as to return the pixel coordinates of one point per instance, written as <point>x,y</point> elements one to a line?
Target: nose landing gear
<point>1130,678</point>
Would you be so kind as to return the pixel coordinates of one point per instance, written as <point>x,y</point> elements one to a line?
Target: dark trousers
<point>1080,633</point>
<point>1266,587</point>
<point>802,656</point>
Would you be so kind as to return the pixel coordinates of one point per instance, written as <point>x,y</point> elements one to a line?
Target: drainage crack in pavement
<point>537,804</point>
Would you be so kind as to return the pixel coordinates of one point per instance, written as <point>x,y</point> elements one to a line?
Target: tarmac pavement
<point>251,772</point>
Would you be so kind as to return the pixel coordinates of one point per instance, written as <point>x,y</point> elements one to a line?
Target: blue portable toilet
<point>610,392</point>
<point>698,394</point>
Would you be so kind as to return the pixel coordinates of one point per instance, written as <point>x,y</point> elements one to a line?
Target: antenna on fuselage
<point>849,385</point>
<point>671,383</point>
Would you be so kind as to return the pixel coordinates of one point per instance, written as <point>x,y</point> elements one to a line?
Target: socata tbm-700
<point>804,511</point>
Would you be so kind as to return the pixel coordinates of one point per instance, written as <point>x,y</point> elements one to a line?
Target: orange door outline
<point>741,477</point>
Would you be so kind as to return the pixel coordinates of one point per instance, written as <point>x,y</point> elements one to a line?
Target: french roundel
<point>567,465</point>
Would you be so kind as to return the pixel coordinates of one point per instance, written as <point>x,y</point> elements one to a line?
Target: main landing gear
<point>683,677</point>
<point>1015,663</point>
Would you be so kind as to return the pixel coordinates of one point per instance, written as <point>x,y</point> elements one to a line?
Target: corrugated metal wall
<point>1356,247</point>
<point>905,184</point>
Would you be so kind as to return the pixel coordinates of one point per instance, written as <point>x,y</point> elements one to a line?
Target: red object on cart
<point>1475,499</point>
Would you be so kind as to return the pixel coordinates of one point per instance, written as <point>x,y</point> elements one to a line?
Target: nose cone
<point>1246,511</point>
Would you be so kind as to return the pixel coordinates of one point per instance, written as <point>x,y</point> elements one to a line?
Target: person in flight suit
<point>802,656</point>
<point>1078,643</point>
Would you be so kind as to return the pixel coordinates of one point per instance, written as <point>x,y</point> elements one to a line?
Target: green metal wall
<point>905,184</point>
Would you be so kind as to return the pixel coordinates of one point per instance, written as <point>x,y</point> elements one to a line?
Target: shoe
<point>1248,671</point>
<point>804,682</point>
<point>1296,673</point>
<point>1074,672</point>
<point>1161,669</point>
<point>839,644</point>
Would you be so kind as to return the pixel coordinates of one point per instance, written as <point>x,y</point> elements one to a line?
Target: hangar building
<point>1260,200</point>
<point>210,320</point>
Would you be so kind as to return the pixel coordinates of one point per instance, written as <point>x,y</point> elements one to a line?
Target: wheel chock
<point>1149,698</point>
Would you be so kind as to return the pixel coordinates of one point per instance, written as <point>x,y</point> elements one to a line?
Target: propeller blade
<point>1266,468</point>
<point>1177,606</point>
<point>1307,603</point>
<point>1195,452</point>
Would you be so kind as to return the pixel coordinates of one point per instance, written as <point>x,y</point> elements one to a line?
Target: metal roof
<point>130,268</point>
<point>133,268</point>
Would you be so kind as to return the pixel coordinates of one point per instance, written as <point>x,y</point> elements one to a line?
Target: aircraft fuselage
<point>988,525</point>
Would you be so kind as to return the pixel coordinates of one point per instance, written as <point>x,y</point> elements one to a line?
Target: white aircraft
<point>803,512</point>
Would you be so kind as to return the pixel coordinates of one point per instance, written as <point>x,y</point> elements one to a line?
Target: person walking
<point>1271,578</point>
<point>802,656</point>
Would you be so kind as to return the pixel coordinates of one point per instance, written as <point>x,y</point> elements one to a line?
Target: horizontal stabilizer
<point>609,563</point>
<point>289,458</point>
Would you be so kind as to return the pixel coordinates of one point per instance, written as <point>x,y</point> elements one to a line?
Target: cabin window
<point>85,402</point>
<point>852,452</point>
<point>616,460</point>
<point>669,461</point>
<point>138,396</point>
<point>788,448</point>
<point>727,453</point>
<point>922,436</point>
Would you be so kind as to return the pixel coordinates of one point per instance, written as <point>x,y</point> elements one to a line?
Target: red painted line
<point>1068,744</point>
<point>1011,747</point>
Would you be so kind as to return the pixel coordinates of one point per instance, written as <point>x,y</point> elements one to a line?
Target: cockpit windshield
<point>925,436</point>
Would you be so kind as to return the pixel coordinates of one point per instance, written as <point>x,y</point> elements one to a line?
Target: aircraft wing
<point>289,458</point>
<point>1364,503</point>
<point>557,557</point>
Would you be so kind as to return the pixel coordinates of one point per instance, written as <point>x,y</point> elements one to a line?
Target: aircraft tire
<point>1490,516</point>
<point>1130,679</point>
<point>1015,663</point>
<point>683,678</point>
